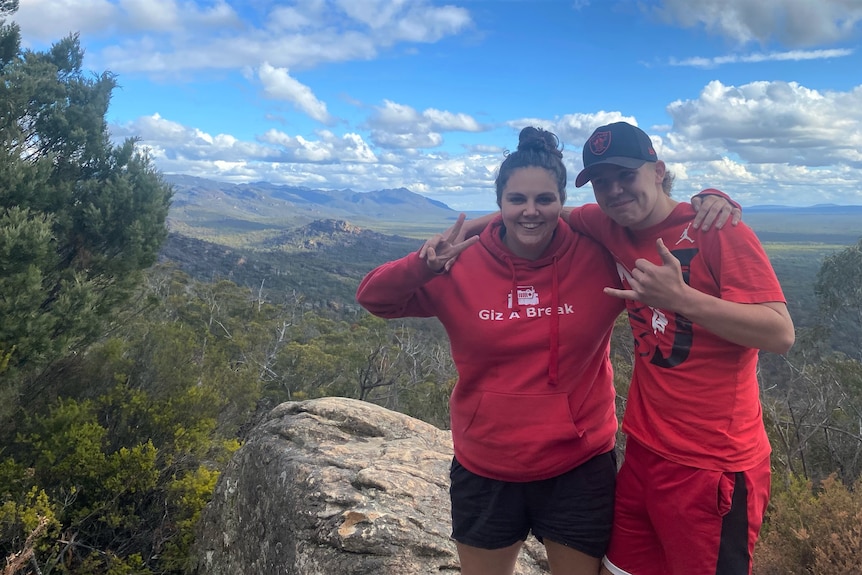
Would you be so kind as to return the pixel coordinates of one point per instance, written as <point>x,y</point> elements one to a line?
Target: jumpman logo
<point>684,235</point>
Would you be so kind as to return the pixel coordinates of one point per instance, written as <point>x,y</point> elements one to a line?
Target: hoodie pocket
<point>534,430</point>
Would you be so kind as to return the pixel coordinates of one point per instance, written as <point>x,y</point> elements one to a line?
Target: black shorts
<point>575,509</point>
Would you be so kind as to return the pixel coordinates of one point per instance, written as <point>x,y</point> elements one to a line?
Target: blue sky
<point>760,98</point>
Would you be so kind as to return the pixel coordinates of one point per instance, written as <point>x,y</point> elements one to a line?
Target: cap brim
<point>587,173</point>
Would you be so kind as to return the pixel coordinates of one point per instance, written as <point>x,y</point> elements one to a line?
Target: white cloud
<point>291,18</point>
<point>447,121</point>
<point>152,15</point>
<point>279,85</point>
<point>403,20</point>
<point>762,142</point>
<point>171,140</point>
<point>49,20</point>
<point>791,22</point>
<point>329,148</point>
<point>410,140</point>
<point>773,122</point>
<point>792,56</point>
<point>173,36</point>
<point>395,125</point>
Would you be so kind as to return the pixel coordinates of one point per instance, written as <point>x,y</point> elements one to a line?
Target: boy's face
<point>632,198</point>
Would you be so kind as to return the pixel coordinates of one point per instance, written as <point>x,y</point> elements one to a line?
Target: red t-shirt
<point>530,340</point>
<point>694,397</point>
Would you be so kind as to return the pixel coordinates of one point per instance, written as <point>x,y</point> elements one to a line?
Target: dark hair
<point>537,148</point>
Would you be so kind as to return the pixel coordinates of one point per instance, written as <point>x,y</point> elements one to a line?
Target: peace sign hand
<point>441,250</point>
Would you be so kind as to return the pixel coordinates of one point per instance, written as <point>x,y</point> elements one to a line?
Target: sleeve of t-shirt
<point>591,221</point>
<point>741,267</point>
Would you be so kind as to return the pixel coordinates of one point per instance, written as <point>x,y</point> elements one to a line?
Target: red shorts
<point>671,519</point>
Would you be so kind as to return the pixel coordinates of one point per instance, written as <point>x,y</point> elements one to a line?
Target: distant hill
<point>815,209</point>
<point>823,223</point>
<point>322,261</point>
<point>219,208</point>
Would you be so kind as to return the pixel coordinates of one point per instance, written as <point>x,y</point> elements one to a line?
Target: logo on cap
<point>600,142</point>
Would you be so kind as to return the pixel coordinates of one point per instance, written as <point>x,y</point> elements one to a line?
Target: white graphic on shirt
<point>659,320</point>
<point>624,274</point>
<point>528,307</point>
<point>684,235</point>
<point>527,295</point>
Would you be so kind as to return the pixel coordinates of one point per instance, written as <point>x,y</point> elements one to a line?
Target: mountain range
<point>207,202</point>
<point>257,214</point>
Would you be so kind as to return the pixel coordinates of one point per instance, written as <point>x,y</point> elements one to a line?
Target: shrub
<point>812,531</point>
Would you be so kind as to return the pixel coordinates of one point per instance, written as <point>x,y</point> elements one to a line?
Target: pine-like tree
<point>80,217</point>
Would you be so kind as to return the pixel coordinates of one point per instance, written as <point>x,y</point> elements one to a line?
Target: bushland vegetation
<point>107,464</point>
<point>126,384</point>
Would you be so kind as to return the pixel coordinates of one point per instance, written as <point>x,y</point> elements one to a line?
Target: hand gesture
<point>441,250</point>
<point>659,286</point>
<point>713,209</point>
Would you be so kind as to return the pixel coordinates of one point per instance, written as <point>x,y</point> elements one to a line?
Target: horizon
<point>761,100</point>
<point>484,211</point>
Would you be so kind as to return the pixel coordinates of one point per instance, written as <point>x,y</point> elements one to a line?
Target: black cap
<point>620,144</point>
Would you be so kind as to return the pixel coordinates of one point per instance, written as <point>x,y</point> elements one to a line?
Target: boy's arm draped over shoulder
<point>713,208</point>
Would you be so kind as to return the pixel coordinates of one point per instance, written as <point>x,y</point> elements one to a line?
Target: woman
<point>532,413</point>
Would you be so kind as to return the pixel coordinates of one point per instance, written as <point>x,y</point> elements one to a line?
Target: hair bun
<point>540,140</point>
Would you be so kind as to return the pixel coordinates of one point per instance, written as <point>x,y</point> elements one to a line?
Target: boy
<point>694,485</point>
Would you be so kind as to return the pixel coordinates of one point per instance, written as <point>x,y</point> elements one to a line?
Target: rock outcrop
<point>337,486</point>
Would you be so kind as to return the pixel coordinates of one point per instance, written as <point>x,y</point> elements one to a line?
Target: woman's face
<point>530,205</point>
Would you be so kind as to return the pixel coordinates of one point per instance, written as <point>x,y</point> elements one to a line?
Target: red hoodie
<point>530,340</point>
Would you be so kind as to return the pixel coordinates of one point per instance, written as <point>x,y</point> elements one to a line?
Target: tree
<point>839,292</point>
<point>80,218</point>
<point>812,398</point>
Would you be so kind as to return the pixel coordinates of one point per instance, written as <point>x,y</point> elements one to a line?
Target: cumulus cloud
<point>791,22</point>
<point>401,20</point>
<point>174,36</point>
<point>766,142</point>
<point>763,142</point>
<point>773,122</point>
<point>329,148</point>
<point>176,142</point>
<point>154,15</point>
<point>279,85</point>
<point>48,20</point>
<point>572,129</point>
<point>395,125</point>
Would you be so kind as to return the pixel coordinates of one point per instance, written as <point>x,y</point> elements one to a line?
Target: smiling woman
<point>532,413</point>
